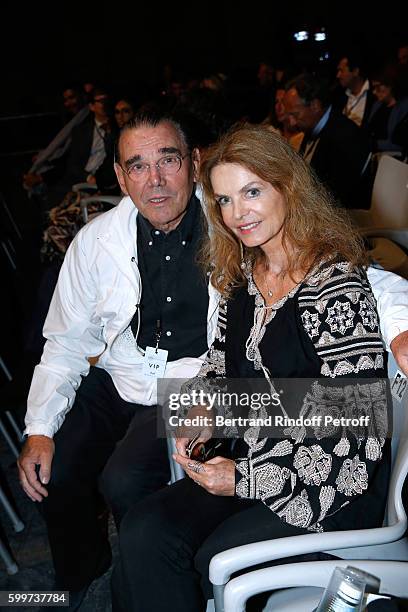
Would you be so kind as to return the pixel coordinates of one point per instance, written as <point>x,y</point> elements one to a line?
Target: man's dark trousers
<point>104,444</point>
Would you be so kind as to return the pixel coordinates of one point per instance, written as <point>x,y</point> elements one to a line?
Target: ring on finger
<point>196,466</point>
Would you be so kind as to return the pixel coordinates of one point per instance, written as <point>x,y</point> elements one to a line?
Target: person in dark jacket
<point>337,150</point>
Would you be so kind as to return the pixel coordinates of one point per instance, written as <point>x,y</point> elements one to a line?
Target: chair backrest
<point>395,508</point>
<point>389,200</point>
<point>101,200</point>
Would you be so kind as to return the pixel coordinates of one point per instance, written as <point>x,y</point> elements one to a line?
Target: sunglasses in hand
<point>200,451</point>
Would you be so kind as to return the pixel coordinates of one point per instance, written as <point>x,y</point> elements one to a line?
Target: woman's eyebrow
<point>249,186</point>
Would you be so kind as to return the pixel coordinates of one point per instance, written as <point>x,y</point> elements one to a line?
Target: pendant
<point>270,293</point>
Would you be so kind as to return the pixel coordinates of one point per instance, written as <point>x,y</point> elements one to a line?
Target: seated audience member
<point>77,414</point>
<point>124,111</point>
<point>66,218</point>
<point>105,176</point>
<point>90,160</point>
<point>48,165</point>
<point>335,148</point>
<point>357,100</point>
<point>389,110</point>
<point>130,268</point>
<point>91,141</point>
<point>74,100</point>
<point>295,303</point>
<point>279,120</point>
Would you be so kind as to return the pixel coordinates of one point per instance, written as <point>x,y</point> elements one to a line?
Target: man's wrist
<point>38,430</point>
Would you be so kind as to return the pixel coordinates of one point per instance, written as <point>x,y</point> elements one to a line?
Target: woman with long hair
<point>296,314</point>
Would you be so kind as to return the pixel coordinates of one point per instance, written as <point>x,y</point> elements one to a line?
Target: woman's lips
<point>248,227</point>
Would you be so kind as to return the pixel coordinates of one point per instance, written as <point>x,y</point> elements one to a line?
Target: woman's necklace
<point>269,291</point>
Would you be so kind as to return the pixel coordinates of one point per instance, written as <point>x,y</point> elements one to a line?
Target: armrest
<point>316,574</point>
<point>226,563</point>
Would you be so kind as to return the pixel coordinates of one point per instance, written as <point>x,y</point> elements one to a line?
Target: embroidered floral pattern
<point>340,317</point>
<point>352,478</point>
<point>298,511</point>
<point>311,323</point>
<point>270,480</point>
<point>313,464</point>
<point>368,314</point>
<point>347,344</point>
<point>302,481</point>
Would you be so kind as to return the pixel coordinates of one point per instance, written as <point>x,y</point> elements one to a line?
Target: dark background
<point>128,43</point>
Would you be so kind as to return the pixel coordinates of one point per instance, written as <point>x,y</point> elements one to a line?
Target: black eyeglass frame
<point>181,158</point>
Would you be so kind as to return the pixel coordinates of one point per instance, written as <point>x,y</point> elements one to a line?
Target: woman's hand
<point>204,429</point>
<point>217,476</point>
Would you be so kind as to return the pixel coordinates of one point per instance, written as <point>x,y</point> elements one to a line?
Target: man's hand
<point>217,476</point>
<point>37,450</point>
<point>399,347</point>
<point>204,429</point>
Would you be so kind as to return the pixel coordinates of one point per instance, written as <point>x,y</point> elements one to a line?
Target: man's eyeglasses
<point>167,165</point>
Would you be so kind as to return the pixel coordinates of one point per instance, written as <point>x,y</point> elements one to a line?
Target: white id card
<point>154,364</point>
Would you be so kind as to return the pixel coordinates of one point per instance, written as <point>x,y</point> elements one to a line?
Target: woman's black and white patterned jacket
<point>310,473</point>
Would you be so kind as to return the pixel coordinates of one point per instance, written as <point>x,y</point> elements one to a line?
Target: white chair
<point>176,471</point>
<point>84,188</point>
<point>104,199</point>
<point>382,543</point>
<point>386,223</point>
<point>389,199</point>
<point>315,577</point>
<point>388,214</point>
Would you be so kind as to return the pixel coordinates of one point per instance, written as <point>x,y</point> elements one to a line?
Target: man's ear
<point>120,175</point>
<point>195,157</point>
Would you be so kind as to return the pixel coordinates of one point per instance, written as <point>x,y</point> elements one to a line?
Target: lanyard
<point>349,109</point>
<point>158,333</point>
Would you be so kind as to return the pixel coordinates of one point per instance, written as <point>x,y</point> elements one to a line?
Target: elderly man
<point>82,422</point>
